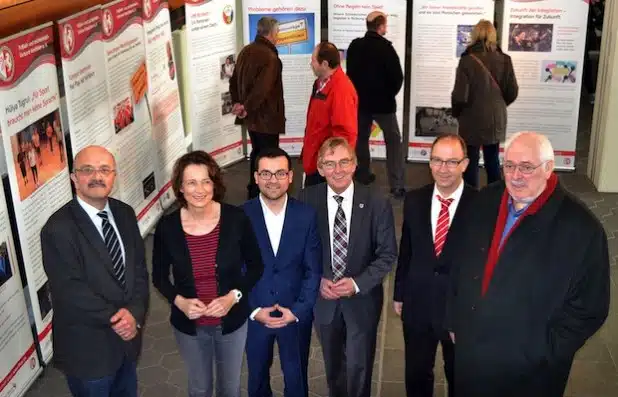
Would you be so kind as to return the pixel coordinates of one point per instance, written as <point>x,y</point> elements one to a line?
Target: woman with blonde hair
<point>485,85</point>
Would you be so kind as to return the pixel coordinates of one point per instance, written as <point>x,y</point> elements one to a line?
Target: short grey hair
<point>545,147</point>
<point>266,25</point>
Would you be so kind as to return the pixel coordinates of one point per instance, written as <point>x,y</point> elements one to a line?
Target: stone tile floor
<point>594,373</point>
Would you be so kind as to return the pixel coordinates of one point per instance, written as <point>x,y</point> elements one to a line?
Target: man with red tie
<point>431,223</point>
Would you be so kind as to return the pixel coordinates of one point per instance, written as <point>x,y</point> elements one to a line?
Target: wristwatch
<point>237,295</point>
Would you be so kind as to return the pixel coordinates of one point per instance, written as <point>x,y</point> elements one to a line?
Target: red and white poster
<point>85,80</point>
<point>19,365</point>
<point>211,51</point>
<point>138,182</point>
<point>36,158</point>
<point>167,126</point>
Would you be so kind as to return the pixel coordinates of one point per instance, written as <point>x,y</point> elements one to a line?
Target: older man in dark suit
<point>359,248</point>
<point>431,227</point>
<point>531,282</point>
<point>93,254</point>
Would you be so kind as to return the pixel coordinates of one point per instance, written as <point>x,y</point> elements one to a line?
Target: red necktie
<point>442,226</point>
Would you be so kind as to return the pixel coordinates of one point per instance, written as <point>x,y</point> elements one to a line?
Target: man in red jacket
<point>333,108</point>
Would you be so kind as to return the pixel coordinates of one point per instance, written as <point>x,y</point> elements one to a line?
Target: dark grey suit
<point>85,293</point>
<point>347,327</point>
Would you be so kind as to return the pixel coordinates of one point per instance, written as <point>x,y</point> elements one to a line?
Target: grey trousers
<point>395,160</point>
<point>207,346</point>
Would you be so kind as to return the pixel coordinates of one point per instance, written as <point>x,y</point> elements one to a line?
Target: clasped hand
<point>264,316</point>
<point>194,308</point>
<point>335,290</point>
<point>124,324</point>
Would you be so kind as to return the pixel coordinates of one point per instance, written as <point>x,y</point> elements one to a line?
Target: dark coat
<point>478,105</point>
<point>238,265</point>
<point>86,294</point>
<point>257,84</point>
<point>421,280</point>
<point>549,293</point>
<point>375,70</point>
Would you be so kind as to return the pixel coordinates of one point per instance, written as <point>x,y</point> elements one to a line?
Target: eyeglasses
<point>451,164</point>
<point>266,175</point>
<point>524,168</point>
<point>192,184</point>
<point>89,171</point>
<point>343,164</point>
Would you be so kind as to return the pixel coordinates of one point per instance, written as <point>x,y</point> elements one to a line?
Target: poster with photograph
<point>299,33</point>
<point>546,41</point>
<point>19,366</point>
<point>85,80</point>
<point>211,50</point>
<point>347,20</point>
<point>37,165</point>
<point>167,126</point>
<point>138,176</point>
<point>440,34</point>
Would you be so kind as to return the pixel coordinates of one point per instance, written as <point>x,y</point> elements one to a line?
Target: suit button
<point>473,307</point>
<point>476,277</point>
<point>272,292</point>
<point>436,274</point>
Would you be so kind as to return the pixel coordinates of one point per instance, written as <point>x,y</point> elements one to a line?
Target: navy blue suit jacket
<point>292,277</point>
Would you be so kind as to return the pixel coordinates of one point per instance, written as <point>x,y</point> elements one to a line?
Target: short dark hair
<point>454,137</point>
<point>197,157</point>
<point>272,153</point>
<point>328,52</point>
<point>376,23</point>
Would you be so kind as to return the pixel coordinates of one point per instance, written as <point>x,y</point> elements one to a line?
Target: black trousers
<point>259,141</point>
<point>420,354</point>
<point>491,157</point>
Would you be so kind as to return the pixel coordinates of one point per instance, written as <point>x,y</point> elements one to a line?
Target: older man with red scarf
<point>532,280</point>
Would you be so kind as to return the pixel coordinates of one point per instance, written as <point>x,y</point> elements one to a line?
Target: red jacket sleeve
<point>344,115</point>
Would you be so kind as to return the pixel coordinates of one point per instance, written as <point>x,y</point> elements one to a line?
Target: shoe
<point>398,194</point>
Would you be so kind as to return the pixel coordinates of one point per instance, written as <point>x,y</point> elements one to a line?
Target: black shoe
<point>398,194</point>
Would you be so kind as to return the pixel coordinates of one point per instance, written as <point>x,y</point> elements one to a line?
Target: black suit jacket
<point>239,265</point>
<point>372,251</point>
<point>421,279</point>
<point>85,293</point>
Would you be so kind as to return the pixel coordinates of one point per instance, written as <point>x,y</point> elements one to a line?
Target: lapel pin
<point>361,205</point>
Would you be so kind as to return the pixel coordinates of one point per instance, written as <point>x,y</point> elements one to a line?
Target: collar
<point>92,211</point>
<point>347,194</point>
<point>514,212</point>
<point>264,41</point>
<point>324,86</point>
<point>540,201</point>
<point>456,195</point>
<point>371,33</point>
<point>268,210</point>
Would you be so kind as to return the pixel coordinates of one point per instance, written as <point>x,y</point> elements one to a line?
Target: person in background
<point>431,228</point>
<point>359,249</point>
<point>485,85</point>
<point>332,111</point>
<point>531,283</point>
<point>282,301</point>
<point>212,253</point>
<point>93,255</point>
<point>375,69</point>
<point>256,87</point>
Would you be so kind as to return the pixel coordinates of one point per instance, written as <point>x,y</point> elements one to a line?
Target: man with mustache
<point>531,283</point>
<point>282,301</point>
<point>93,254</point>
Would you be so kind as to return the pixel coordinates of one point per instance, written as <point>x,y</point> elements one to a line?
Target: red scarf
<point>496,247</point>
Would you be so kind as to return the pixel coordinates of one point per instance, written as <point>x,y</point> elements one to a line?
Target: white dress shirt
<point>98,221</point>
<point>274,223</point>
<point>346,205</point>
<point>436,206</point>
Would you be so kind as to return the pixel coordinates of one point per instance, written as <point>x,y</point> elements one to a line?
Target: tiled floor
<point>594,373</point>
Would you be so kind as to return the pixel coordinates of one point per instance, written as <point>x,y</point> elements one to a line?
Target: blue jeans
<point>207,346</point>
<point>121,384</point>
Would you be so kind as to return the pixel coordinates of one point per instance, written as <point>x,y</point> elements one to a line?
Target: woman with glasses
<point>212,253</point>
<point>485,85</point>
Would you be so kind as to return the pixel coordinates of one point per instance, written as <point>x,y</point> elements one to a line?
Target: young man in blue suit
<point>282,301</point>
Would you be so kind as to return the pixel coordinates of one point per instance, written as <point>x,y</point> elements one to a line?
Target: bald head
<point>376,22</point>
<point>534,142</point>
<point>94,173</point>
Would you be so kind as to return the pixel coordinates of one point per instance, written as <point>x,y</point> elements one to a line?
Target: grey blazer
<point>372,252</point>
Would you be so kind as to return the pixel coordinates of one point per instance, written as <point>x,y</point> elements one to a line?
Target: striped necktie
<point>113,246</point>
<point>442,226</point>
<point>340,242</point>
